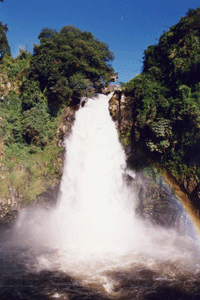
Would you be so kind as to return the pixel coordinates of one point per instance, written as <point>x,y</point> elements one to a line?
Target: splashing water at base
<point>93,234</point>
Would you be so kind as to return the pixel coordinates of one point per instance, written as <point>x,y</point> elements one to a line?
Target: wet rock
<point>66,123</point>
<point>195,195</point>
<point>120,107</point>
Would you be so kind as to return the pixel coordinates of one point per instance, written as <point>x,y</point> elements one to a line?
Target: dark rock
<point>195,196</point>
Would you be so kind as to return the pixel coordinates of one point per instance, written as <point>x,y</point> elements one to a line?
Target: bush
<point>38,125</point>
<point>166,99</point>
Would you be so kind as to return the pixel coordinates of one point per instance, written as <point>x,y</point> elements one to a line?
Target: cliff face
<point>120,108</point>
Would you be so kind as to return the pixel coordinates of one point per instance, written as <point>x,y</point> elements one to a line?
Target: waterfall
<point>94,212</point>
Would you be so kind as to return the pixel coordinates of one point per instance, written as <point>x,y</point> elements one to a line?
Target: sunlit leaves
<point>166,97</point>
<point>68,62</point>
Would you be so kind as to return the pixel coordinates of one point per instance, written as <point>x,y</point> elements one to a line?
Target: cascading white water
<point>93,212</point>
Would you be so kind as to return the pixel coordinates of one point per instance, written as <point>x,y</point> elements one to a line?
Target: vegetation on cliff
<point>166,100</point>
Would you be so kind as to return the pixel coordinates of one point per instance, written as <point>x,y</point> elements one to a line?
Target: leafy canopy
<point>70,62</point>
<point>166,99</point>
<point>4,46</point>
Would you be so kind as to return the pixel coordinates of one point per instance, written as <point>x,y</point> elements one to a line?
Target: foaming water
<point>94,207</point>
<point>93,235</point>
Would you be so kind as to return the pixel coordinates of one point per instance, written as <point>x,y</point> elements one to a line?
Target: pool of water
<point>169,270</point>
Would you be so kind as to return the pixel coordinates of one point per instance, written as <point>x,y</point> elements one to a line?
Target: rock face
<point>9,206</point>
<point>156,200</point>
<point>67,120</point>
<point>120,108</point>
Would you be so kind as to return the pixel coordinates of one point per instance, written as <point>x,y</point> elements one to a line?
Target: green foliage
<point>29,160</point>
<point>176,57</point>
<point>31,94</point>
<point>17,67</point>
<point>10,113</point>
<point>166,98</point>
<point>14,70</point>
<point>4,46</point>
<point>38,125</point>
<point>69,63</point>
<point>25,113</point>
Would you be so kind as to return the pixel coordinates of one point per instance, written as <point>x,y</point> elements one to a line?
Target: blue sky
<point>127,26</point>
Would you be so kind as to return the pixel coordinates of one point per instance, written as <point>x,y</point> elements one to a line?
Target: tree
<point>70,62</point>
<point>4,46</point>
<point>166,99</point>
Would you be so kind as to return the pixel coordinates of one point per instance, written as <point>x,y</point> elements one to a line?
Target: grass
<point>27,172</point>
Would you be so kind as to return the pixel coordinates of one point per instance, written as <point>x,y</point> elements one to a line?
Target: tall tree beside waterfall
<point>4,46</point>
<point>70,62</point>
